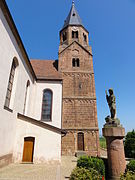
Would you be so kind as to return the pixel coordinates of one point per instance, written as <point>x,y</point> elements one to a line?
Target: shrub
<point>129,144</point>
<point>130,171</point>
<point>92,163</point>
<point>128,176</point>
<point>84,174</point>
<point>131,166</point>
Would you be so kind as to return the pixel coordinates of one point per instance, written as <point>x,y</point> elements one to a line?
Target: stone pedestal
<point>115,151</point>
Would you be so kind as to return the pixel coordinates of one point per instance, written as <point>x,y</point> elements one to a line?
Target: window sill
<point>45,120</point>
<point>8,109</point>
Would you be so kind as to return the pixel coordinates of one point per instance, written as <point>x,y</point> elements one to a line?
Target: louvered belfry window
<point>10,85</point>
<point>47,105</point>
<point>75,34</point>
<point>64,36</point>
<point>75,62</point>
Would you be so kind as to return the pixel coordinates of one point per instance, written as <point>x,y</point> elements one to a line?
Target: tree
<point>129,145</point>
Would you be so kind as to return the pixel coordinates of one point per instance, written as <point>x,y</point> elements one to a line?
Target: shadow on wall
<point>55,64</point>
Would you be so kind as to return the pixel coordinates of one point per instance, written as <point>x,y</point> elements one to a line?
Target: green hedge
<point>130,171</point>
<point>128,176</point>
<point>92,163</point>
<point>129,144</point>
<point>84,174</point>
<point>131,166</point>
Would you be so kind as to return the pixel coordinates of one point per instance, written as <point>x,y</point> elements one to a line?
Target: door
<point>28,149</point>
<point>80,141</point>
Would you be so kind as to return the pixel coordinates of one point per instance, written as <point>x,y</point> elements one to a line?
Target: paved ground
<point>39,171</point>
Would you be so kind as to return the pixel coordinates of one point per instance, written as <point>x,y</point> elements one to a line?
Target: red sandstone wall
<point>79,99</point>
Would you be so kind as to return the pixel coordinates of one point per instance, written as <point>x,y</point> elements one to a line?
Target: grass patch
<point>102,142</point>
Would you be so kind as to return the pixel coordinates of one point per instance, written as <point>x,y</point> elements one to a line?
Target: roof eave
<point>49,79</point>
<point>39,123</point>
<point>78,44</point>
<point>74,25</point>
<point>15,32</point>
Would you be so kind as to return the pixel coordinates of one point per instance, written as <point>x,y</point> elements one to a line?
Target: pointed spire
<point>73,18</point>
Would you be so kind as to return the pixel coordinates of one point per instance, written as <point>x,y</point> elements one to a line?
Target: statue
<point>111,103</point>
<point>111,100</point>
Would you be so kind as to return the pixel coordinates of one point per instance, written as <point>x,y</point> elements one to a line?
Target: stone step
<point>80,153</point>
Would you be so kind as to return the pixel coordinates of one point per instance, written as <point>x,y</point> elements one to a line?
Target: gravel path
<point>39,171</point>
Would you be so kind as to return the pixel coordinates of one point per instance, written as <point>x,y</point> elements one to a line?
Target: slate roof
<point>46,69</point>
<point>73,18</point>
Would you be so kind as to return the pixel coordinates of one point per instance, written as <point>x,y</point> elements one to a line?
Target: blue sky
<point>111,24</point>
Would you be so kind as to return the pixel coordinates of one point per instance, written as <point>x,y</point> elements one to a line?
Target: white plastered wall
<point>12,130</point>
<point>8,50</point>
<point>56,88</point>
<point>47,146</point>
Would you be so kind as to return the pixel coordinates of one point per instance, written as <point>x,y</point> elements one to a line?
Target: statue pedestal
<point>115,151</point>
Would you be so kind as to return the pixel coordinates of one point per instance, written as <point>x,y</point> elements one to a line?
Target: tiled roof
<point>46,69</point>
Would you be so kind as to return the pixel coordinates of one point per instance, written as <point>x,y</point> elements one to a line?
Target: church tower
<point>79,116</point>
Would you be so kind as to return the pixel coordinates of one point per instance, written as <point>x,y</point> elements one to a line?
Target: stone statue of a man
<point>111,102</point>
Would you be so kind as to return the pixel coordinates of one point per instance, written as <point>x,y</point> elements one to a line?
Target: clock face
<point>74,28</point>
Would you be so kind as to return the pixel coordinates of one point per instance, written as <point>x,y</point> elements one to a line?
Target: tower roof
<point>73,18</point>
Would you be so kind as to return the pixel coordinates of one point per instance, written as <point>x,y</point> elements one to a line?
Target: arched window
<point>10,82</point>
<point>26,94</point>
<point>64,36</point>
<point>47,105</point>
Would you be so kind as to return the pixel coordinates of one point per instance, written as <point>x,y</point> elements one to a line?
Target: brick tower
<point>79,117</point>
